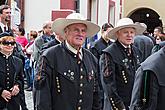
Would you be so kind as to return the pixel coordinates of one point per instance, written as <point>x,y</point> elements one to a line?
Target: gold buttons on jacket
<point>81,69</point>
<point>124,77</point>
<point>79,108</point>
<point>81,85</point>
<point>7,75</point>
<point>58,91</point>
<point>81,77</point>
<point>81,92</point>
<point>80,100</point>
<point>79,62</point>
<point>58,85</point>
<point>113,104</point>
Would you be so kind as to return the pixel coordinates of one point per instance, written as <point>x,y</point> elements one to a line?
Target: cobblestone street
<point>29,99</point>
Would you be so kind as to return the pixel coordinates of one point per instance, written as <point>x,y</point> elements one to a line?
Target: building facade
<point>33,13</point>
<point>97,11</point>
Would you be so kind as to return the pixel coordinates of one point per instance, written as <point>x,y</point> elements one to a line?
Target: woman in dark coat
<point>11,72</point>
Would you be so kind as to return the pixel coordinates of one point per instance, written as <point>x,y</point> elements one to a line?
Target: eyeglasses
<point>7,43</point>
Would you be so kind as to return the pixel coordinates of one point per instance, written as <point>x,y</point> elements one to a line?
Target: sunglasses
<point>7,43</point>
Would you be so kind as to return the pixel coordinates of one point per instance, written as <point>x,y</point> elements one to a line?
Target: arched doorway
<point>147,16</point>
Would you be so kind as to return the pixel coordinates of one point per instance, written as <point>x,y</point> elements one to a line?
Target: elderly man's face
<point>125,36</point>
<point>76,34</point>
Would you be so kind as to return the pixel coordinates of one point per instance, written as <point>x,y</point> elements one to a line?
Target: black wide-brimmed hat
<point>6,34</point>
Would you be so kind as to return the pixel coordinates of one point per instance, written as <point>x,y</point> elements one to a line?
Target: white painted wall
<point>117,11</point>
<point>94,11</point>
<point>37,12</point>
<point>83,7</point>
<point>103,12</point>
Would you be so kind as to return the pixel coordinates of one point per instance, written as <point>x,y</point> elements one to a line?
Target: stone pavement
<point>29,100</point>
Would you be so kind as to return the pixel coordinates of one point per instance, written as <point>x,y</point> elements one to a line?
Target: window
<point>77,6</point>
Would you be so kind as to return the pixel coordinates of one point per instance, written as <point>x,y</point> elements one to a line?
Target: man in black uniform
<point>67,78</point>
<point>57,40</point>
<point>149,87</point>
<point>143,43</point>
<point>119,62</point>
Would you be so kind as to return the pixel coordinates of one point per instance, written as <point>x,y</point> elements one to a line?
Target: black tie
<point>78,56</point>
<point>5,29</point>
<point>128,50</point>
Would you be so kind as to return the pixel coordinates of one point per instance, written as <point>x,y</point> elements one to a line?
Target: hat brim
<point>60,24</point>
<point>139,30</point>
<point>6,34</point>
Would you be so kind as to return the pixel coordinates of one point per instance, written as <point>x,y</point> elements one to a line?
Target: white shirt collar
<point>57,39</point>
<point>2,26</point>
<point>74,50</point>
<point>125,46</point>
<point>7,55</point>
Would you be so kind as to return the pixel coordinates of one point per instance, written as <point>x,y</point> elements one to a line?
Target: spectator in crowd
<point>20,37</point>
<point>5,16</point>
<point>47,36</point>
<point>149,86</point>
<point>32,36</point>
<point>160,38</point>
<point>68,73</point>
<point>158,30</point>
<point>158,34</point>
<point>11,74</point>
<point>29,61</point>
<point>119,62</point>
<point>101,44</point>
<point>39,41</point>
<point>158,47</point>
<point>58,39</point>
<point>146,33</point>
<point>144,43</point>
